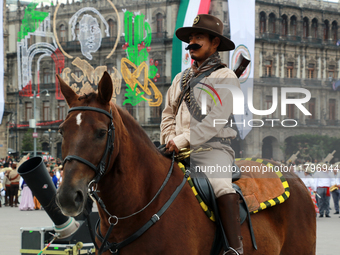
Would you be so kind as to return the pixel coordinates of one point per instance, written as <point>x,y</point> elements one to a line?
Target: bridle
<point>100,171</point>
<point>101,168</point>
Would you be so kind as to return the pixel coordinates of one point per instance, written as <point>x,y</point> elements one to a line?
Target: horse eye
<point>102,133</point>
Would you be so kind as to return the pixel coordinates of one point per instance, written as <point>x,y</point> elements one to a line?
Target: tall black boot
<point>229,209</point>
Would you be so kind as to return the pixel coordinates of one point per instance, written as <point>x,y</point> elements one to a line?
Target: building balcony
<point>312,122</point>
<point>313,82</point>
<point>270,36</point>
<point>293,38</point>
<point>332,122</point>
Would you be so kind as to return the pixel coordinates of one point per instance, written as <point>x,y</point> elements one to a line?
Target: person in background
<point>26,202</point>
<point>335,192</point>
<point>54,178</point>
<point>14,177</point>
<point>324,180</point>
<point>6,183</point>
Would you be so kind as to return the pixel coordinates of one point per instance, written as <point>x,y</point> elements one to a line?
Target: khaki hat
<point>206,23</point>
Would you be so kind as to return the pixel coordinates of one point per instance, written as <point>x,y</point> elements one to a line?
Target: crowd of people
<point>323,181</point>
<point>12,184</point>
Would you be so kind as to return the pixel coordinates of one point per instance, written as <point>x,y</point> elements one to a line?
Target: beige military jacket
<point>184,129</point>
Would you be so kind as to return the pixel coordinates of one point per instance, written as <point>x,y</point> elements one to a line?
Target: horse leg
<point>269,238</point>
<point>300,221</point>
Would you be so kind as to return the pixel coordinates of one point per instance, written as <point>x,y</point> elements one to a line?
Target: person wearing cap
<point>185,125</point>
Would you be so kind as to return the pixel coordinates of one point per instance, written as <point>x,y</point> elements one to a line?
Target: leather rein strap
<point>101,168</point>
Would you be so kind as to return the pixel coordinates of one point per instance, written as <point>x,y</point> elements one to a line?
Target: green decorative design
<point>133,96</point>
<point>138,37</point>
<point>31,20</point>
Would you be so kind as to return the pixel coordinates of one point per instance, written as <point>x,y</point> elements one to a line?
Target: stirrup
<point>232,250</point>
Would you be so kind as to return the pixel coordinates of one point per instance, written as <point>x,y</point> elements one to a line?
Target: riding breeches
<point>217,165</point>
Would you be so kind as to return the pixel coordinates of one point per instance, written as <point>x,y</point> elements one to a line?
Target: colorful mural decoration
<point>136,73</point>
<point>35,24</point>
<point>82,76</point>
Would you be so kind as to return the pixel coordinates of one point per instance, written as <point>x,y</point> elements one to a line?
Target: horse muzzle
<point>71,201</point>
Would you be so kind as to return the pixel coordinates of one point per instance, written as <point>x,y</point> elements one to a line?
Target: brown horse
<point>134,172</point>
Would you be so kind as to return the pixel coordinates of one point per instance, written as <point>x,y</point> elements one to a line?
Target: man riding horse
<point>192,124</point>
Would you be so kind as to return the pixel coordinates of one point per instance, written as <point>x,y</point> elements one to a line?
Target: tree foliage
<point>312,147</point>
<point>28,141</point>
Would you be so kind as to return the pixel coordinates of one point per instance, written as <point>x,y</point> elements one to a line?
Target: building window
<point>77,32</point>
<point>311,71</point>
<point>335,32</point>
<point>331,72</point>
<point>61,110</point>
<point>315,28</point>
<point>262,22</point>
<point>305,29</point>
<point>130,108</point>
<point>110,68</point>
<point>46,110</point>
<point>284,31</point>
<point>112,28</point>
<point>293,30</point>
<point>28,111</point>
<point>290,110</point>
<point>332,109</point>
<point>311,108</point>
<point>268,68</point>
<point>326,30</point>
<point>62,34</point>
<point>47,78</point>
<point>269,103</point>
<point>290,67</point>
<point>159,21</point>
<point>271,23</point>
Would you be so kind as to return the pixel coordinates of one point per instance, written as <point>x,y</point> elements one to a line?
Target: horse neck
<point>137,173</point>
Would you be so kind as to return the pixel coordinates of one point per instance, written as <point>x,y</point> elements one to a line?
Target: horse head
<point>88,143</point>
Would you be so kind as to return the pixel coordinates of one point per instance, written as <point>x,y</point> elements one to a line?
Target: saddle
<point>206,193</point>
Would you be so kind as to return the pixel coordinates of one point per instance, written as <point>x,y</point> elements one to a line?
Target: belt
<point>222,140</point>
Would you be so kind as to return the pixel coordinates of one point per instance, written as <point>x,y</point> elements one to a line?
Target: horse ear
<point>105,88</point>
<point>66,90</point>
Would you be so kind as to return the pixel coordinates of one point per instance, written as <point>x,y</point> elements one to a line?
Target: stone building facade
<point>295,46</point>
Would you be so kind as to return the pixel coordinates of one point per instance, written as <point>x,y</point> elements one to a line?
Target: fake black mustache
<point>194,46</point>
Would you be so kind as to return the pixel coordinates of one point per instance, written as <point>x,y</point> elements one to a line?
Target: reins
<point>100,171</point>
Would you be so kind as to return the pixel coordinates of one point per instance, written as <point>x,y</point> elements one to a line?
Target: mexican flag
<point>188,10</point>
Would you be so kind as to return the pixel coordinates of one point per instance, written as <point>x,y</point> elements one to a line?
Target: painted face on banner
<point>90,36</point>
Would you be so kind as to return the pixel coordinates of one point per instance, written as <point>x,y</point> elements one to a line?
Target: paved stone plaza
<point>12,219</point>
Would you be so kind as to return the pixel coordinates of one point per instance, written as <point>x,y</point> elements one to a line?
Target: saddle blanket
<point>262,189</point>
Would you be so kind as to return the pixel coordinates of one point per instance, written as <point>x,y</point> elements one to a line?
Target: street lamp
<point>33,122</point>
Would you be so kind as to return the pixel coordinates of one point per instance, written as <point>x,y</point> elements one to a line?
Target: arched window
<point>62,33</point>
<point>305,26</point>
<point>314,28</point>
<point>284,25</point>
<point>112,28</point>
<point>159,22</point>
<point>271,25</point>
<point>293,25</point>
<point>262,22</point>
<point>47,76</point>
<point>335,32</point>
<point>326,30</point>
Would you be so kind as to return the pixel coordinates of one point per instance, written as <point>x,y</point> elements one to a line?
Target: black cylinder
<point>40,182</point>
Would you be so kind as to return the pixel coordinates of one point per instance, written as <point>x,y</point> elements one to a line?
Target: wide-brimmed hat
<point>205,23</point>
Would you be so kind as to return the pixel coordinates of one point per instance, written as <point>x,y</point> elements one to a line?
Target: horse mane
<point>137,133</point>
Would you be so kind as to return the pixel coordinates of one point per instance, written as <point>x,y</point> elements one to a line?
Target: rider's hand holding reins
<point>171,146</point>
